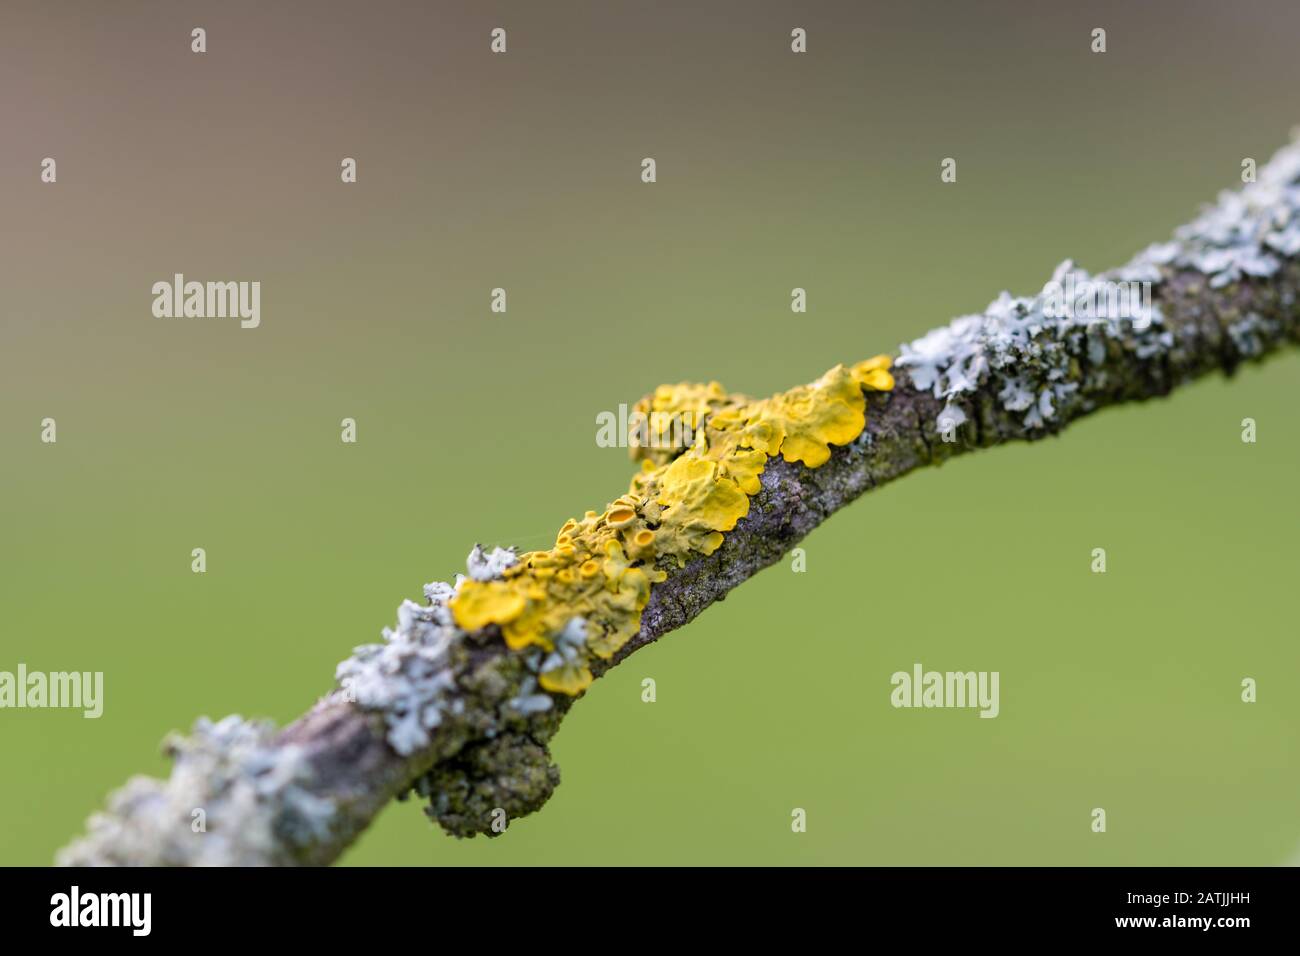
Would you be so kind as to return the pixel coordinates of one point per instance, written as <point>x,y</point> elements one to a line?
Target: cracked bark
<point>466,766</point>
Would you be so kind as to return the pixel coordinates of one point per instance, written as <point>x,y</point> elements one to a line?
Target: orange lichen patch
<point>743,467</point>
<point>491,603</point>
<point>697,503</point>
<point>694,486</point>
<point>874,374</point>
<point>600,569</point>
<point>831,411</point>
<point>571,679</point>
<point>665,422</point>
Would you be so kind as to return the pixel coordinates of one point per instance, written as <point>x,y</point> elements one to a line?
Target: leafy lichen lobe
<point>689,493</point>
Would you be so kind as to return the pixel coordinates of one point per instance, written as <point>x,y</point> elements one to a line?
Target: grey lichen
<point>1032,349</point>
<point>1036,351</point>
<point>1245,233</point>
<point>410,677</point>
<point>490,565</point>
<point>1250,335</point>
<point>424,678</point>
<point>234,798</point>
<point>529,700</point>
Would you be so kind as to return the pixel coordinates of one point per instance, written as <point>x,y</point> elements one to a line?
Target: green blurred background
<point>522,171</point>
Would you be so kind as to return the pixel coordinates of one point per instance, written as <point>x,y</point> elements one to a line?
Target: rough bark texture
<point>486,758</point>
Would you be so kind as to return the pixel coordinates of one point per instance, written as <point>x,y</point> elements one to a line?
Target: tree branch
<point>1223,292</point>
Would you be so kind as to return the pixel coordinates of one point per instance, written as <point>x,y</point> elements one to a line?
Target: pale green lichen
<point>488,785</point>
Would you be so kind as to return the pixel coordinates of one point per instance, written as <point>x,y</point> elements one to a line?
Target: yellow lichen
<point>663,423</point>
<point>874,375</point>
<point>492,603</point>
<point>702,453</point>
<point>828,412</point>
<point>571,679</point>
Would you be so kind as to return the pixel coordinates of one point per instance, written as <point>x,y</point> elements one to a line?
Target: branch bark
<point>303,794</point>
